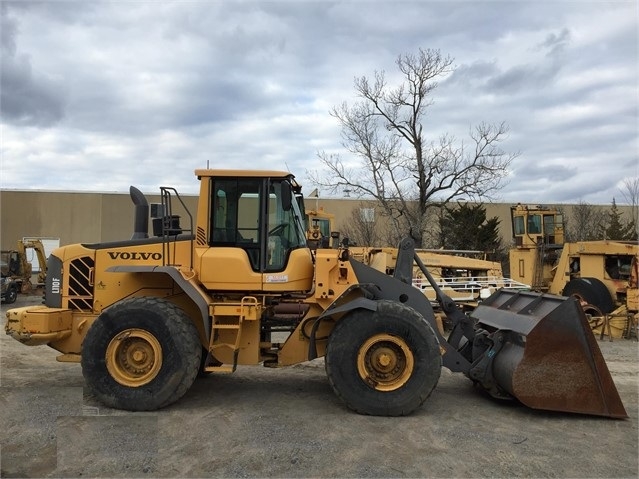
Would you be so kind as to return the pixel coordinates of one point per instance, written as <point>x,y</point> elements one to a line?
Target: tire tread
<point>183,335</point>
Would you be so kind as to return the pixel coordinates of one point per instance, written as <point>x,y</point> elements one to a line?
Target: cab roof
<point>200,173</point>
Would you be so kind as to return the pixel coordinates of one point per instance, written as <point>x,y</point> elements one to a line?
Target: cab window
<point>518,225</point>
<point>235,216</point>
<point>534,224</point>
<point>265,226</point>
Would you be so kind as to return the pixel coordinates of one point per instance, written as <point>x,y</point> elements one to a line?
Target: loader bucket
<point>548,357</point>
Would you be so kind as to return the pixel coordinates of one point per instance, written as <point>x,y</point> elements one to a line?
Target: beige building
<point>87,217</point>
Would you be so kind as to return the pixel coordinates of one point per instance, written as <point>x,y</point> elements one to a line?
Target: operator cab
<point>250,234</point>
<point>536,225</point>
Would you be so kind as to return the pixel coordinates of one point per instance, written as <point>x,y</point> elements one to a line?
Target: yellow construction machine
<point>602,275</point>
<point>17,271</point>
<point>466,276</point>
<point>319,229</point>
<point>236,284</point>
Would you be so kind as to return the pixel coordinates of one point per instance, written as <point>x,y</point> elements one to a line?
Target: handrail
<point>168,234</point>
<point>472,284</point>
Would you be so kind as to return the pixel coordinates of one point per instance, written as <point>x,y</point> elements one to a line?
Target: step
<point>224,368</point>
<point>223,345</point>
<point>226,326</point>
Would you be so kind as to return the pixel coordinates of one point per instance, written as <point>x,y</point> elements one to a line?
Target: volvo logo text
<point>134,256</point>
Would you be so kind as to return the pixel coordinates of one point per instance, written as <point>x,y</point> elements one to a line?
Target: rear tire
<point>141,354</point>
<point>591,291</point>
<point>384,362</point>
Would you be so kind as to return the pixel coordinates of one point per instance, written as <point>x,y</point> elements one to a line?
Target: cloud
<point>26,97</point>
<point>555,43</point>
<point>139,92</point>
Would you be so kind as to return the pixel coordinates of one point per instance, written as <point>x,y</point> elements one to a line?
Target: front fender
<point>190,288</point>
<point>357,303</point>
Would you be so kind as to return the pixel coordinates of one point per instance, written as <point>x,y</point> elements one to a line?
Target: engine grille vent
<point>80,284</point>
<point>200,237</point>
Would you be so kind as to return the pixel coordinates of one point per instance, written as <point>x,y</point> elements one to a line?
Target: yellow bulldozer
<point>602,275</point>
<point>237,284</point>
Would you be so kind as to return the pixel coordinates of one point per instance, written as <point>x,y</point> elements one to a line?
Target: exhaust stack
<point>141,219</point>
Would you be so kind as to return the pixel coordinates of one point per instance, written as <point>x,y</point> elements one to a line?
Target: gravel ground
<point>263,422</point>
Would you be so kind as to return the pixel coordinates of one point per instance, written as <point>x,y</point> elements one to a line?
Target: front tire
<point>141,354</point>
<point>384,362</point>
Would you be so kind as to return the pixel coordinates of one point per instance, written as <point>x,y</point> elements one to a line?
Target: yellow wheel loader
<point>602,275</point>
<point>238,285</point>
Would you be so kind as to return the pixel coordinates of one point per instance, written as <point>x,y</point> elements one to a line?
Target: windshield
<point>285,223</point>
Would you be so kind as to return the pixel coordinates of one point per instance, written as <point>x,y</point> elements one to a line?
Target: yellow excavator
<point>17,271</point>
<point>237,284</point>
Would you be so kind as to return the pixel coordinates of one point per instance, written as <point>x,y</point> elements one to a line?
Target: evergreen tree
<point>467,228</point>
<point>616,228</point>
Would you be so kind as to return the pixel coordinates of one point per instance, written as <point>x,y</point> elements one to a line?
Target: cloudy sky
<point>102,95</point>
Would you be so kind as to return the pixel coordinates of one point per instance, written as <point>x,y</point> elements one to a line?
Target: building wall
<point>68,216</point>
<point>72,217</point>
<point>80,217</point>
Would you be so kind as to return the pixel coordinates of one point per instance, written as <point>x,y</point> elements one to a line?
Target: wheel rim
<point>385,362</point>
<point>134,357</point>
<point>580,297</point>
<point>594,315</point>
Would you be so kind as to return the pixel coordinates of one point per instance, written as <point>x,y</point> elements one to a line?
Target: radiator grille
<point>80,284</point>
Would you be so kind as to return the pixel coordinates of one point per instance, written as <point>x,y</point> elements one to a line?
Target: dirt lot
<point>261,422</point>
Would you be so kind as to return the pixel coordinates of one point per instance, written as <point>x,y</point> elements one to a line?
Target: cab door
<point>253,238</point>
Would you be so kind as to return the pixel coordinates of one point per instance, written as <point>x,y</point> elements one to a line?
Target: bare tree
<point>630,193</point>
<point>361,227</point>
<point>398,167</point>
<point>586,223</point>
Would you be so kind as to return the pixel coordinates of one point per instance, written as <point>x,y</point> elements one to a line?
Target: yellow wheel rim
<point>134,357</point>
<point>385,362</point>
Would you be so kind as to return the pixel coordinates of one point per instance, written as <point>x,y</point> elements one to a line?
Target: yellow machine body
<point>240,285</point>
<point>600,274</point>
